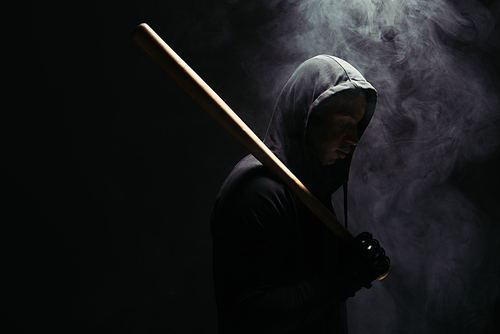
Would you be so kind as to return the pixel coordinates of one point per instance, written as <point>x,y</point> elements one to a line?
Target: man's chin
<point>329,162</point>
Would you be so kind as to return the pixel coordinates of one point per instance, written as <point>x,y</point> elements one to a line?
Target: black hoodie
<point>272,257</point>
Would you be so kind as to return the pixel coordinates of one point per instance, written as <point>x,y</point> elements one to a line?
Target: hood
<point>312,83</point>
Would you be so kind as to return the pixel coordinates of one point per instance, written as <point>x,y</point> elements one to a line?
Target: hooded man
<point>277,268</point>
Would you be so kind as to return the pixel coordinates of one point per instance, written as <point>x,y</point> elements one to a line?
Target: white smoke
<point>437,111</point>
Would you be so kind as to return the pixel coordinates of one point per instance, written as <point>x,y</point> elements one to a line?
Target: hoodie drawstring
<point>344,186</point>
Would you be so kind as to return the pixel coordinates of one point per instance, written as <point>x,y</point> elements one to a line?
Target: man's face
<point>332,130</point>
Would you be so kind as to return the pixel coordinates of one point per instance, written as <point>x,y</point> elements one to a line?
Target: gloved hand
<point>361,261</point>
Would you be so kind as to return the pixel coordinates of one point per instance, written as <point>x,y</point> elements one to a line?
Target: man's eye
<point>343,124</point>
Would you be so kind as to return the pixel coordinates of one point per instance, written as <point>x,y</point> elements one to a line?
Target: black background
<point>109,169</point>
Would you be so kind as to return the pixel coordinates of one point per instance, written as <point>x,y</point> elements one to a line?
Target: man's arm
<point>251,269</point>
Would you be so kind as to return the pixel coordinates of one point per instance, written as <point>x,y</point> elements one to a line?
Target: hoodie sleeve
<point>259,281</point>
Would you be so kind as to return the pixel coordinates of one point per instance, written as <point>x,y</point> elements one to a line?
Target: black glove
<point>361,261</point>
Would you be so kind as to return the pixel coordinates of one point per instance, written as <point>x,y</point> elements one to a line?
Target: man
<point>277,269</point>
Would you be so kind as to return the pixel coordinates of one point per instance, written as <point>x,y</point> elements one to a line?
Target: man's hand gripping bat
<point>199,91</point>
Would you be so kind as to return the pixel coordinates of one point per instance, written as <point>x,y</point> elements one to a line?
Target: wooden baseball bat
<point>185,77</point>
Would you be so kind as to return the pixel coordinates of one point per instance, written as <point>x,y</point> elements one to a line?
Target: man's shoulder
<point>250,176</point>
<point>253,196</point>
<point>253,187</point>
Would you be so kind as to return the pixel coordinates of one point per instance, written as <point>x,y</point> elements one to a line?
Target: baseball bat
<point>199,91</point>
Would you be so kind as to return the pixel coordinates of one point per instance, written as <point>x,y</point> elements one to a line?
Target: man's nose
<point>352,137</point>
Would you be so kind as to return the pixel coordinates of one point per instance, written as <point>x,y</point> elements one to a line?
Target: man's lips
<point>342,154</point>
